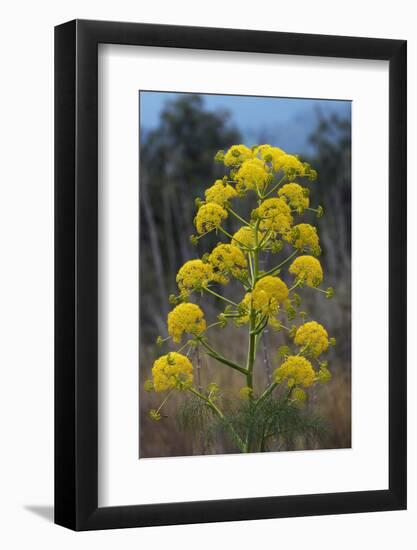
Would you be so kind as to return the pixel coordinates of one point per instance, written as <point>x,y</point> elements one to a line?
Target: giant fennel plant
<point>262,418</point>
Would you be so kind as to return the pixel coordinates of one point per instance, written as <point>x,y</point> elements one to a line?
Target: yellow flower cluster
<point>237,154</point>
<point>268,294</point>
<point>170,371</point>
<point>252,174</point>
<point>304,237</point>
<point>292,165</point>
<point>209,217</point>
<point>276,215</point>
<point>296,370</point>
<point>245,236</point>
<point>185,318</point>
<point>296,196</point>
<point>226,260</point>
<point>194,275</point>
<point>313,337</point>
<point>220,193</point>
<point>270,154</point>
<point>307,270</point>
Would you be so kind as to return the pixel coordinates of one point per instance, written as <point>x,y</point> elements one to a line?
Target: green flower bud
<point>296,299</point>
<point>219,156</point>
<point>212,389</point>
<point>198,202</point>
<point>276,246</point>
<point>324,375</point>
<point>291,313</point>
<point>155,415</point>
<point>316,281</point>
<point>329,292</point>
<point>222,319</point>
<point>174,300</point>
<point>283,351</point>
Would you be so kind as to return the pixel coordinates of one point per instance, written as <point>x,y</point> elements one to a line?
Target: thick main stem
<point>251,352</point>
<point>252,326</point>
<point>252,316</point>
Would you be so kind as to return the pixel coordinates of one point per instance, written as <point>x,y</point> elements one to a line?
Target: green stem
<point>207,289</point>
<point>213,353</point>
<point>265,238</point>
<point>274,188</point>
<point>297,284</point>
<point>256,251</point>
<point>250,264</point>
<point>184,346</point>
<point>267,392</point>
<point>251,354</point>
<point>226,232</point>
<point>252,315</point>
<point>239,217</point>
<point>279,265</point>
<point>319,289</point>
<point>261,325</point>
<point>210,326</point>
<point>219,413</point>
<point>164,401</point>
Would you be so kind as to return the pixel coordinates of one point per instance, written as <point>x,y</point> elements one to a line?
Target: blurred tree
<point>331,142</point>
<point>176,162</point>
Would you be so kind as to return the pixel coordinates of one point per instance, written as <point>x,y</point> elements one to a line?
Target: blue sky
<point>285,121</point>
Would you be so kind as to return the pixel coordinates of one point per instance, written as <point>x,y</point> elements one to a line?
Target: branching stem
<point>274,188</point>
<point>236,215</point>
<point>219,413</point>
<point>213,353</point>
<point>274,269</point>
<point>207,289</point>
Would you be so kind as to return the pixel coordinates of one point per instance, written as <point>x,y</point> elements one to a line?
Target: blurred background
<point>179,135</point>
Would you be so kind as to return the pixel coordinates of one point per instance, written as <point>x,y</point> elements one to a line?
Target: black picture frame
<point>76,272</point>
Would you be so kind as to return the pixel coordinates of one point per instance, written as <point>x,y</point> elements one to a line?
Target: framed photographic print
<point>230,275</point>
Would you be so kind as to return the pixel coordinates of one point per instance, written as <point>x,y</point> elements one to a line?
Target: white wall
<point>26,271</point>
